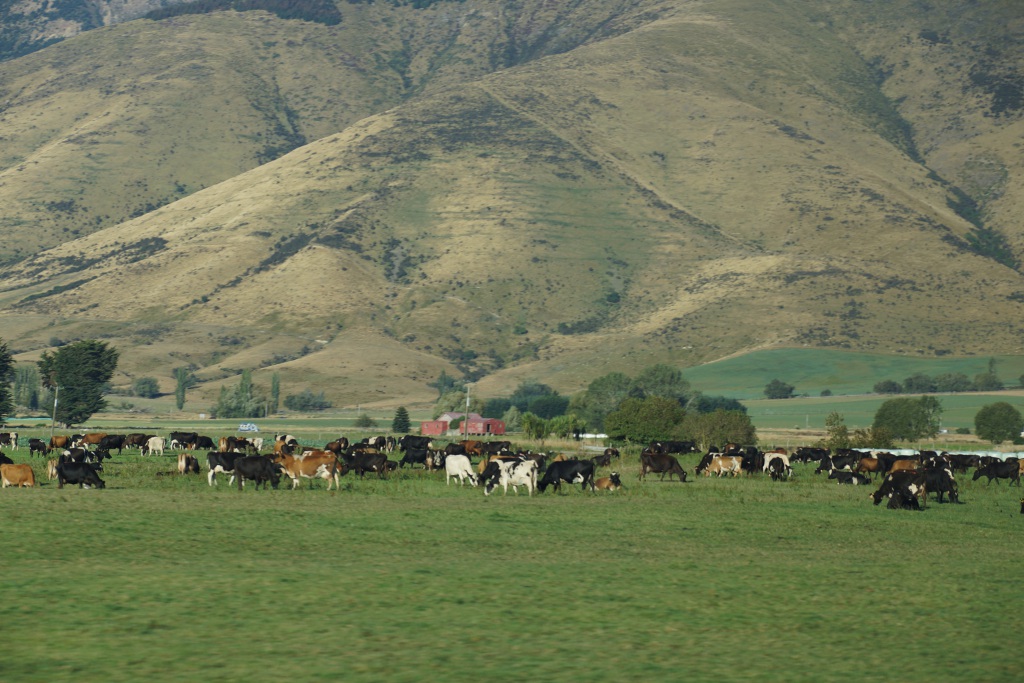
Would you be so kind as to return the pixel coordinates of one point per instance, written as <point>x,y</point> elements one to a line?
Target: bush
<point>364,421</point>
<point>998,422</point>
<point>643,421</point>
<point>778,389</point>
<point>146,387</point>
<point>888,386</point>
<point>306,402</point>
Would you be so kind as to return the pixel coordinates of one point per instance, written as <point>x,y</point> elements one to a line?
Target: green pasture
<point>859,411</point>
<point>811,371</point>
<point>167,579</point>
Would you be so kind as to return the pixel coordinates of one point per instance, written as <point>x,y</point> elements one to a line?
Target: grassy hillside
<point>484,194</point>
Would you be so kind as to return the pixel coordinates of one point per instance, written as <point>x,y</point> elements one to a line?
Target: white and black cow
<point>220,463</point>
<point>458,466</point>
<point>81,473</point>
<point>515,473</point>
<point>9,439</point>
<point>850,478</point>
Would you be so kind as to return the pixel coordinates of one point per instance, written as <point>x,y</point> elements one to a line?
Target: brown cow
<point>910,465</point>
<point>90,439</point>
<point>51,469</point>
<point>721,465</point>
<point>609,483</point>
<point>473,447</point>
<point>17,475</point>
<point>311,465</point>
<point>60,442</point>
<point>869,465</point>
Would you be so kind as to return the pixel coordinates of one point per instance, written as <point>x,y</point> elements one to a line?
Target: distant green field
<point>167,579</point>
<point>859,411</point>
<point>843,372</point>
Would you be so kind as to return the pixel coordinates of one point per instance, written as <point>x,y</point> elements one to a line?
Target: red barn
<point>474,425</point>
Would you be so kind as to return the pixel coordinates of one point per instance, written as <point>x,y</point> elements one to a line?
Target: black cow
<point>960,462</point>
<point>904,485</point>
<point>112,441</point>
<point>1000,469</point>
<point>410,441</point>
<point>851,478</point>
<point>4,460</point>
<point>569,471</point>
<point>807,454</point>
<point>81,473</point>
<point>186,440</point>
<point>257,468</point>
<point>455,449</point>
<point>660,463</point>
<point>838,462</point>
<point>778,469</point>
<point>38,446</point>
<point>203,443</point>
<point>361,463</point>
<point>941,481</point>
<point>414,456</point>
<point>223,463</point>
<point>602,460</point>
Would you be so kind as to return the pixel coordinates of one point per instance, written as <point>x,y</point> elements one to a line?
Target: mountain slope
<point>696,181</point>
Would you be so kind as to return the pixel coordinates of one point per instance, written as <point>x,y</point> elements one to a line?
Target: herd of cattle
<point>906,479</point>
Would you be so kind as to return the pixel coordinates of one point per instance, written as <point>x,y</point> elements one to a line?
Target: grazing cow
<point>612,453</point>
<point>86,440</point>
<point>38,446</point>
<point>204,443</point>
<point>362,462</point>
<point>257,468</point>
<point>609,483</point>
<point>903,485</point>
<point>775,455</point>
<point>602,460</point>
<point>940,480</point>
<point>17,475</point>
<point>4,460</point>
<point>837,462</point>
<point>779,468</point>
<point>660,463</point>
<point>960,462</point>
<point>851,478</point>
<point>515,472</point>
<point>905,465</point>
<point>1000,469</point>
<point>414,456</point>
<point>188,464</point>
<point>869,465</point>
<point>473,447</point>
<point>724,464</point>
<point>185,440</point>
<point>223,463</point>
<point>9,439</point>
<point>51,469</point>
<point>902,499</point>
<point>59,442</point>
<point>311,465</point>
<point>460,467</point>
<point>153,446</point>
<point>807,454</point>
<point>112,441</point>
<point>569,471</point>
<point>136,440</point>
<point>81,473</point>
<point>455,449</point>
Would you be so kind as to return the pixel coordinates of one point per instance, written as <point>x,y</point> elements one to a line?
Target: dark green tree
<point>709,404</point>
<point>888,386</point>
<point>987,381</point>
<point>243,401</point>
<point>364,421</point>
<point>27,387</point>
<point>953,382</point>
<point>778,389</point>
<point>306,402</point>
<point>918,383</point>
<point>909,419</point>
<point>644,420</point>
<point>78,372</point>
<point>601,397</point>
<point>401,424</point>
<point>662,380</point>
<point>528,391</point>
<point>495,407</point>
<point>998,422</point>
<point>534,426</point>
<point>146,387</point>
<point>6,377</point>
<point>549,406</point>
<point>719,427</point>
<point>275,393</point>
<point>184,380</point>
<point>838,432</point>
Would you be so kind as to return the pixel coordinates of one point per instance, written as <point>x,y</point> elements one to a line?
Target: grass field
<point>811,371</point>
<point>166,579</point>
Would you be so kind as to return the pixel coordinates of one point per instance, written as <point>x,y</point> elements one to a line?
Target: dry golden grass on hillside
<point>677,187</point>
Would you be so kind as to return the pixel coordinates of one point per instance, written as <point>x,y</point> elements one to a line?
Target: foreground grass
<point>407,580</point>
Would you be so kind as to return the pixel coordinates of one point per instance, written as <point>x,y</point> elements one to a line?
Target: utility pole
<point>53,417</point>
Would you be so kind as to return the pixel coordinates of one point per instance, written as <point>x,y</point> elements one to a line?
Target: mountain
<point>513,190</point>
